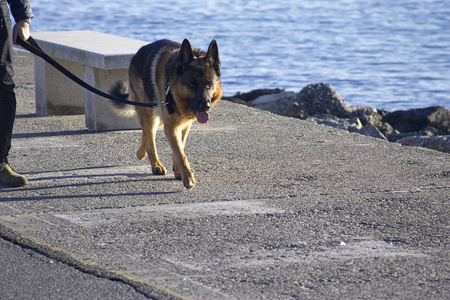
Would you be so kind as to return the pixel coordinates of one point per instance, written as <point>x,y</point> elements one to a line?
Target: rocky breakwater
<point>319,102</point>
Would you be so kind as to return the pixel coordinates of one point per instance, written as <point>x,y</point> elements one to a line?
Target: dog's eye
<point>209,85</point>
<point>193,86</point>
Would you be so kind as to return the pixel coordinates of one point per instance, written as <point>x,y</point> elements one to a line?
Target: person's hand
<point>21,30</point>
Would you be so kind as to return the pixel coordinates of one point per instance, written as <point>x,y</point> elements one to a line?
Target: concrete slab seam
<point>144,288</point>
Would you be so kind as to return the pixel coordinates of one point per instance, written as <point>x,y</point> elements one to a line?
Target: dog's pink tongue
<point>202,117</point>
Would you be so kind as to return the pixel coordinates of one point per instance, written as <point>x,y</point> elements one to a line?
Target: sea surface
<point>389,54</point>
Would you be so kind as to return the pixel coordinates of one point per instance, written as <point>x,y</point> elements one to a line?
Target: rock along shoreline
<point>319,102</point>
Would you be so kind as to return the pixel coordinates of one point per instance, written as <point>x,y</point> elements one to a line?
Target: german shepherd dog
<point>186,81</point>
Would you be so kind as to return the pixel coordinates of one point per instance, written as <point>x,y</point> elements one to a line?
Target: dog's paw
<point>159,169</point>
<point>177,174</point>
<point>189,181</point>
<point>141,153</point>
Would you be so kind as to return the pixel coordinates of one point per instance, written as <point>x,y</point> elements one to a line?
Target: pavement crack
<point>54,255</point>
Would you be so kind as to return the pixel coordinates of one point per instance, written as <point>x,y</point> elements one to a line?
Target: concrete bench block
<point>97,58</point>
<point>98,114</point>
<point>55,93</point>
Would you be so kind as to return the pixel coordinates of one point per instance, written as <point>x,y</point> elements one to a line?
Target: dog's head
<point>198,80</point>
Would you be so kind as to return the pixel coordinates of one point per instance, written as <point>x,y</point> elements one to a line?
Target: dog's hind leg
<point>149,123</point>
<point>149,127</point>
<point>176,169</point>
<point>142,152</point>
<point>141,113</point>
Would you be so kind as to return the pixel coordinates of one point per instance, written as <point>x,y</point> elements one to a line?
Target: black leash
<point>34,48</point>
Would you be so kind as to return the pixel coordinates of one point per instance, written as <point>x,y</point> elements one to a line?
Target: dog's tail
<point>120,90</point>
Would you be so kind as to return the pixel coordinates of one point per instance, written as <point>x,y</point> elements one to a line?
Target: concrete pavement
<point>26,274</point>
<point>283,209</point>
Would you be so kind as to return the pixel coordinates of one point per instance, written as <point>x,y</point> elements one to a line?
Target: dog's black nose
<point>205,106</point>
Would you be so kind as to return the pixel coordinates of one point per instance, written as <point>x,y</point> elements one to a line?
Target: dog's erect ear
<point>213,56</point>
<point>186,53</point>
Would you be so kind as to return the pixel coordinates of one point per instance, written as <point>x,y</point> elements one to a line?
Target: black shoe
<point>10,178</point>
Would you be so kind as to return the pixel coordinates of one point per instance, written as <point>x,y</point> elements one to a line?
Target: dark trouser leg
<point>7,96</point>
<point>7,116</point>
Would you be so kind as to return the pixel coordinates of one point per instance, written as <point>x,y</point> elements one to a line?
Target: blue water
<point>389,54</point>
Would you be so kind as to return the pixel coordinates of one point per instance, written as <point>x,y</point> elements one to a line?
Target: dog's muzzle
<point>201,111</point>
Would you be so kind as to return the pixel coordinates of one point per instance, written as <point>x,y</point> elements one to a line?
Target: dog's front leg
<point>176,168</point>
<point>177,137</point>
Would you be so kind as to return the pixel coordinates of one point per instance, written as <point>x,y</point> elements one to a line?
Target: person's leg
<point>7,100</point>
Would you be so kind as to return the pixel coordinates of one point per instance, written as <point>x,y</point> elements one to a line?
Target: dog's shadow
<point>79,180</point>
